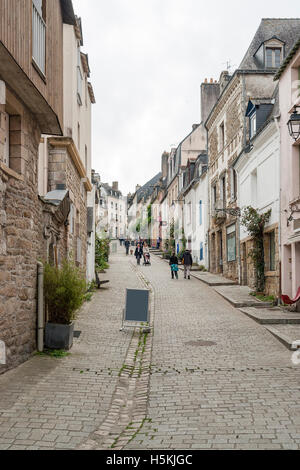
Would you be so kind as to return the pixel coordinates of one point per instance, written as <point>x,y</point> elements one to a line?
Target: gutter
<point>40,333</point>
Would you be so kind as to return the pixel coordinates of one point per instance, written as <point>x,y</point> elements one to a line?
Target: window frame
<point>273,51</point>
<point>252,128</point>
<point>38,47</point>
<point>272,253</point>
<point>231,235</point>
<point>201,212</point>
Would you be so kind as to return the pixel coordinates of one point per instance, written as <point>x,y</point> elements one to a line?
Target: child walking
<point>174,265</point>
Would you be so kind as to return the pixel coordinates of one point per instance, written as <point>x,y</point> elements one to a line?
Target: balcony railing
<point>38,40</point>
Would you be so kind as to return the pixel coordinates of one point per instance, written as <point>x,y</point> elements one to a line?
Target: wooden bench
<point>98,282</point>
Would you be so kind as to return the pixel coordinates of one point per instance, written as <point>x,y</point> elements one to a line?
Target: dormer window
<point>270,54</point>
<point>273,57</point>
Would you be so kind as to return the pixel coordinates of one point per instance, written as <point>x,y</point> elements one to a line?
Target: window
<point>11,127</point>
<point>189,212</point>
<point>252,125</point>
<point>231,243</point>
<point>273,57</point>
<point>78,253</point>
<point>201,252</point>
<point>254,188</point>
<point>200,213</point>
<point>233,184</point>
<point>78,136</point>
<point>39,35</point>
<point>71,219</point>
<point>222,136</point>
<point>79,78</point>
<point>214,196</point>
<point>223,191</point>
<point>272,251</point>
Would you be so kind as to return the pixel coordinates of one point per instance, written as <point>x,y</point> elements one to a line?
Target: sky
<point>148,59</point>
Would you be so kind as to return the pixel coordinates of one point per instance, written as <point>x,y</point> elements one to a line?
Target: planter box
<point>59,336</point>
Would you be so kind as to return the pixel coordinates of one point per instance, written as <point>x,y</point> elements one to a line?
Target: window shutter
<point>6,139</point>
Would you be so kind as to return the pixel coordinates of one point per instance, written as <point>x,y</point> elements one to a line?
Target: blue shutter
<point>201,252</point>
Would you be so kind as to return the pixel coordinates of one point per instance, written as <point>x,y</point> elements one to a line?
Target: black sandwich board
<point>137,307</point>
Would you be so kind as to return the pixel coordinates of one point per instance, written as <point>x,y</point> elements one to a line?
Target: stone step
<point>274,316</point>
<point>289,335</point>
<point>213,280</point>
<point>239,296</point>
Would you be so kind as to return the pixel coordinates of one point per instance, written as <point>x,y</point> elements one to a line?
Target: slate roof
<point>110,191</point>
<point>288,59</point>
<point>146,190</point>
<point>284,29</point>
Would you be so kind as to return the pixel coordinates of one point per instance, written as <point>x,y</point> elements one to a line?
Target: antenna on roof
<point>228,65</point>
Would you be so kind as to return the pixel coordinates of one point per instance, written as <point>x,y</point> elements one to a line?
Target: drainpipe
<point>40,338</point>
<point>239,250</point>
<point>276,118</point>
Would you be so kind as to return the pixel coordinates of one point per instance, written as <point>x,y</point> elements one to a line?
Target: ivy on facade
<point>255,224</point>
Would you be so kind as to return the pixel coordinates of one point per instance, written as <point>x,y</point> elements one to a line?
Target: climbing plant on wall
<point>255,224</point>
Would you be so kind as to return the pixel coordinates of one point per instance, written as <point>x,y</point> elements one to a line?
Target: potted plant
<point>64,289</point>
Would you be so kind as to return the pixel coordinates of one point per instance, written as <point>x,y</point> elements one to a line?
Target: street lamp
<point>294,124</point>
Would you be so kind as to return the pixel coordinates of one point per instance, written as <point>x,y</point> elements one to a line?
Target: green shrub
<point>202,268</point>
<point>64,289</point>
<point>101,253</point>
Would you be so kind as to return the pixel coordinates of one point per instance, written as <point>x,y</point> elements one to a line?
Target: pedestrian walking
<point>138,254</point>
<point>174,265</point>
<point>146,253</point>
<point>188,263</point>
<point>127,246</point>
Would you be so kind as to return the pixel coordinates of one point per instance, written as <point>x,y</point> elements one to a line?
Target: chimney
<point>224,79</point>
<point>137,187</point>
<point>115,186</point>
<point>164,164</point>
<point>210,93</point>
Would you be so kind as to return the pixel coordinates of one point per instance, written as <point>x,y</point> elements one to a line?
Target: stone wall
<point>21,240</point>
<point>248,267</point>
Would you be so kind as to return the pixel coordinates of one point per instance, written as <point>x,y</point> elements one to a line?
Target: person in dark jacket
<point>127,246</point>
<point>188,263</point>
<point>174,265</point>
<point>138,253</point>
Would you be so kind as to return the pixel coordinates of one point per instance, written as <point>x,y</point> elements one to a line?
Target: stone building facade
<point>259,186</point>
<point>228,135</point>
<point>289,97</point>
<point>29,106</point>
<point>65,162</point>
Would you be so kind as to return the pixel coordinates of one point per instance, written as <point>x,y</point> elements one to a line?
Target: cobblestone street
<point>217,380</point>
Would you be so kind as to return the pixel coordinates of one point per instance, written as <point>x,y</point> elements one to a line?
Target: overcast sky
<point>148,59</point>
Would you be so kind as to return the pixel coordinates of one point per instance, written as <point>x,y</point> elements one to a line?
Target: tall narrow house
<point>31,104</point>
<point>65,161</point>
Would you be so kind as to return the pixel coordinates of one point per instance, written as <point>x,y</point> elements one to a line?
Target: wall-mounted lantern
<point>294,124</point>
